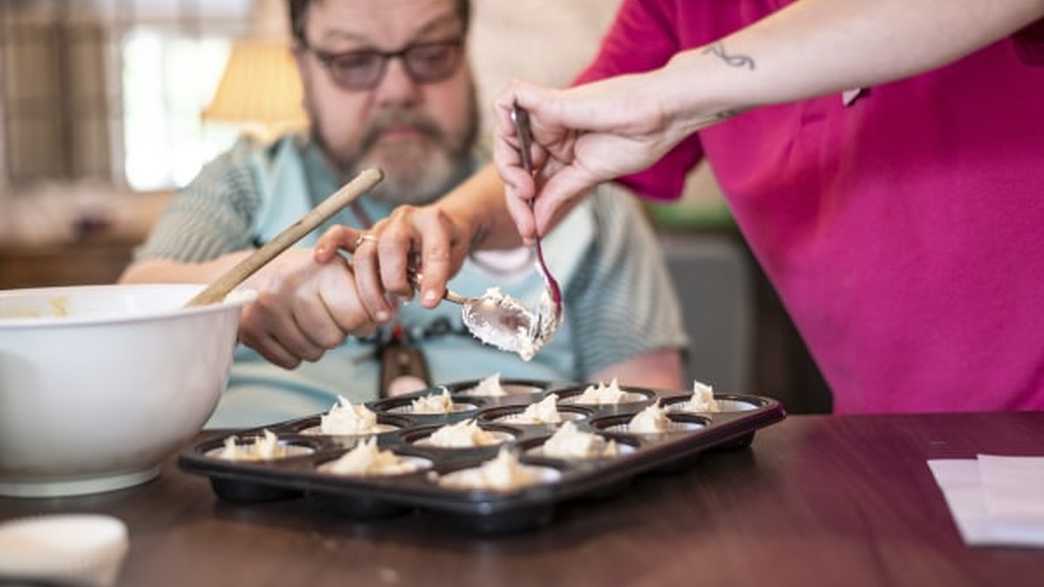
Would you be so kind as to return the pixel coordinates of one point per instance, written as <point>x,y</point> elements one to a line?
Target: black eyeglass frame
<point>328,59</point>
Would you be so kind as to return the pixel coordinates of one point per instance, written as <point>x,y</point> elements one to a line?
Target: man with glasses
<point>387,84</point>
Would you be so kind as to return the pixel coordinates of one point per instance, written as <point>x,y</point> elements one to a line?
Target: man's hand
<point>426,240</point>
<point>303,308</point>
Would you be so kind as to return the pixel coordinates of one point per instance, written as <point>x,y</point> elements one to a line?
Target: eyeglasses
<point>363,70</point>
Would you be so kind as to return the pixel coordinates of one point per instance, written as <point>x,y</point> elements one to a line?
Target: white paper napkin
<point>1014,486</point>
<point>85,548</point>
<point>995,501</point>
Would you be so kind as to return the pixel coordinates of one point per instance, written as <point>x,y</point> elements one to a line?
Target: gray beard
<point>435,180</point>
<point>447,169</point>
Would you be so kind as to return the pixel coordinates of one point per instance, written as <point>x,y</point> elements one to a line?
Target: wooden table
<point>817,500</point>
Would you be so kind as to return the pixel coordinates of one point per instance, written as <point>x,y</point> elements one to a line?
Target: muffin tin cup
<point>519,390</point>
<point>235,488</point>
<point>636,398</point>
<point>727,404</point>
<point>388,424</point>
<point>678,424</point>
<point>476,511</point>
<point>510,416</point>
<point>463,408</point>
<point>626,446</point>
<point>418,438</point>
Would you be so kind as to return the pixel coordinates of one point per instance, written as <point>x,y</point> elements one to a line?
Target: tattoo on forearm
<point>716,117</point>
<point>718,49</point>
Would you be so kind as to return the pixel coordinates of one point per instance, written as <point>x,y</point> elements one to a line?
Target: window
<point>112,89</point>
<point>168,78</point>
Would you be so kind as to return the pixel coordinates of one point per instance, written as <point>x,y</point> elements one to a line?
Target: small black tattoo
<point>718,49</point>
<point>716,117</point>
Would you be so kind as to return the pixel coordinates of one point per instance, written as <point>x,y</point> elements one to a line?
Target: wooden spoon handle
<point>220,287</point>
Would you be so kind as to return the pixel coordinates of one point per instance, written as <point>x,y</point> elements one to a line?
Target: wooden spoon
<point>220,287</point>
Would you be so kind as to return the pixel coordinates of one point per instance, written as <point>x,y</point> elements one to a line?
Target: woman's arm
<point>817,47</point>
<point>599,131</point>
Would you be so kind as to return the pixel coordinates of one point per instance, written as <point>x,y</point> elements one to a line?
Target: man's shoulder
<point>247,155</point>
<point>234,162</point>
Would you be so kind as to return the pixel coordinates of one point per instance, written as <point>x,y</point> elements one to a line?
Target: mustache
<point>398,119</point>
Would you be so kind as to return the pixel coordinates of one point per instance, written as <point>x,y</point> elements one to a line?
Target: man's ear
<point>300,56</point>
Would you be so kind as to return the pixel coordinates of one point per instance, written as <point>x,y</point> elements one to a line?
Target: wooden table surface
<point>817,500</point>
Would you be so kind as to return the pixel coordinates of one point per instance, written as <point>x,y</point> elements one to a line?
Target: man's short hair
<point>299,9</point>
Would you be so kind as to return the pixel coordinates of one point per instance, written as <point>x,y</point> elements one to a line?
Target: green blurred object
<point>691,214</point>
<point>702,205</point>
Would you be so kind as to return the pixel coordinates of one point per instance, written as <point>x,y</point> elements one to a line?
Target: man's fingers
<point>279,322</point>
<point>254,331</point>
<point>341,298</point>
<point>275,353</point>
<point>315,320</point>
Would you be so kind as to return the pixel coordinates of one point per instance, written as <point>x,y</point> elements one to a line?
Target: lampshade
<point>260,89</point>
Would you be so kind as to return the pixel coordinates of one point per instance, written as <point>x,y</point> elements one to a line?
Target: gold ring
<point>364,237</point>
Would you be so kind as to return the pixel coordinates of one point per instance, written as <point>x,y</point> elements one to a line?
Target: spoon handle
<point>449,296</point>
<point>456,298</point>
<point>220,287</point>
<point>525,139</point>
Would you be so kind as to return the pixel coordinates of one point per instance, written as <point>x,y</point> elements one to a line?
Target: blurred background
<point>108,106</point>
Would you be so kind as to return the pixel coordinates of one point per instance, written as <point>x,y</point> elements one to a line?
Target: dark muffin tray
<point>373,497</point>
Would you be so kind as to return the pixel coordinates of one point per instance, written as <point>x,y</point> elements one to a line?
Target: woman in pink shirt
<point>902,222</point>
<point>899,214</point>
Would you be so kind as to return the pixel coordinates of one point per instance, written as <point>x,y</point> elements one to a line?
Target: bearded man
<point>387,84</point>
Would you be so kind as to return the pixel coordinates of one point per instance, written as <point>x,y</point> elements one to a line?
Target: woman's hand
<point>581,137</point>
<point>426,240</point>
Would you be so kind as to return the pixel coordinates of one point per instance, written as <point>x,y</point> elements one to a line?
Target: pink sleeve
<point>1029,44</point>
<point>644,37</point>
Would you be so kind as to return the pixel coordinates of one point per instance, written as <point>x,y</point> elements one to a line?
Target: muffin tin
<point>479,510</point>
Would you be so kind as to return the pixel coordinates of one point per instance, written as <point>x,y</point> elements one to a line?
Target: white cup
<point>84,548</point>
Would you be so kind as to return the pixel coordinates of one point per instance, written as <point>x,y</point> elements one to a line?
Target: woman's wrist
<point>690,90</point>
<point>478,210</point>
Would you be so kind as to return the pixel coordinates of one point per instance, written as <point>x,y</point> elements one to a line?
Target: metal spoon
<point>498,319</point>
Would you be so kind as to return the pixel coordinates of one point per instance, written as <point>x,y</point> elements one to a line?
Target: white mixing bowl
<point>99,384</point>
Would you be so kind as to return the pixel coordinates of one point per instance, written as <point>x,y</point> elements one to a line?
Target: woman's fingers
<point>562,188</point>
<point>366,266</point>
<point>398,239</point>
<point>517,182</point>
<point>337,237</point>
<point>437,258</point>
